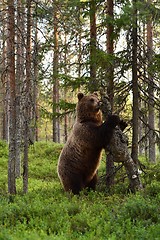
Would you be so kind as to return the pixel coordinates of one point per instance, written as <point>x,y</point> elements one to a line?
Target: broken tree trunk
<point>118,152</point>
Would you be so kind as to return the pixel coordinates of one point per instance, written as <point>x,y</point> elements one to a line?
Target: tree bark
<point>65,93</point>
<point>27,109</point>
<point>5,82</point>
<point>19,77</point>
<point>135,89</point>
<point>35,83</point>
<point>93,35</point>
<point>159,130</point>
<point>56,129</point>
<point>2,96</point>
<point>110,87</point>
<point>140,134</point>
<point>151,114</point>
<point>118,152</point>
<point>80,60</point>
<point>12,99</point>
<point>110,51</point>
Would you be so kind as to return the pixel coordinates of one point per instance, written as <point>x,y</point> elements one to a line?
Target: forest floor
<point>46,212</point>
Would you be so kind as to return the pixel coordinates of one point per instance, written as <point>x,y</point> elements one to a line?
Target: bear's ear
<point>80,96</point>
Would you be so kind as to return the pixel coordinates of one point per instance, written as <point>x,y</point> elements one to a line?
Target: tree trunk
<point>146,131</point>
<point>5,85</point>
<point>35,83</point>
<point>118,152</point>
<point>12,99</point>
<point>93,34</point>
<point>65,93</point>
<point>159,130</point>
<point>135,87</point>
<point>151,114</point>
<point>19,76</point>
<point>56,130</point>
<point>80,60</point>
<point>140,134</point>
<point>2,96</point>
<point>27,110</point>
<point>110,87</point>
<point>110,51</point>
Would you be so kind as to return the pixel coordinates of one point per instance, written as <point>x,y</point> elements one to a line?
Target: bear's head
<point>88,108</point>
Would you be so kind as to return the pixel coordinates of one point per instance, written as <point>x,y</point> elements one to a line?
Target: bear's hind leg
<point>75,184</point>
<point>92,183</point>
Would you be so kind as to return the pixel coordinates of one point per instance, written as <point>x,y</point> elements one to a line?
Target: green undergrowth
<point>47,212</point>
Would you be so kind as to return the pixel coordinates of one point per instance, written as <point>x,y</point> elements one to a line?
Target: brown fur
<point>80,157</point>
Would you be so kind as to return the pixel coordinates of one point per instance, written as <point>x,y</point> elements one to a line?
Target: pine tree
<point>135,84</point>
<point>93,36</point>
<point>12,98</point>
<point>56,130</point>
<point>151,110</point>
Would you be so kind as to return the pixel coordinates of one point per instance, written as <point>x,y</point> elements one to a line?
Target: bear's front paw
<point>113,120</point>
<point>122,124</point>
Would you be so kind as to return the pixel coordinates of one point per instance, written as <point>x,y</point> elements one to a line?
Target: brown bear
<point>80,157</point>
